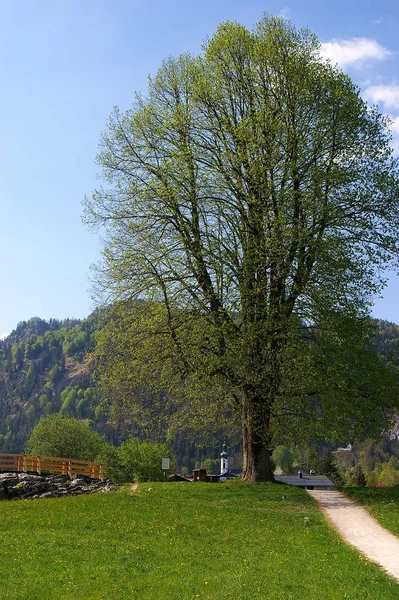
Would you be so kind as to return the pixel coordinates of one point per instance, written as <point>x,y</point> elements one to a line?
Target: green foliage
<point>313,460</point>
<point>75,341</point>
<point>141,373</point>
<point>251,203</point>
<point>359,477</point>
<point>378,460</point>
<point>27,394</point>
<point>389,475</point>
<point>211,465</point>
<point>387,342</point>
<point>135,460</point>
<point>208,464</point>
<point>283,458</point>
<point>78,402</point>
<point>330,468</point>
<point>54,382</point>
<point>39,377</point>
<point>112,463</point>
<point>55,435</point>
<point>55,373</point>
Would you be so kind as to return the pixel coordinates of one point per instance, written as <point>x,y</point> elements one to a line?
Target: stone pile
<point>30,486</point>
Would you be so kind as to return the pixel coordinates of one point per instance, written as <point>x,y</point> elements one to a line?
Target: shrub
<point>113,464</point>
<point>135,461</point>
<point>65,437</point>
<point>389,476</point>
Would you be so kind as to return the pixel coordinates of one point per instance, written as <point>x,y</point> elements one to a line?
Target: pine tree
<point>359,477</point>
<point>330,469</point>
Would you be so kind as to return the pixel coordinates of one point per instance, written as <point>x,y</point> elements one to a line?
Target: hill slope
<point>48,367</point>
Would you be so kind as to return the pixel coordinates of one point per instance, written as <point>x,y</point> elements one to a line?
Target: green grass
<point>181,541</point>
<point>382,503</point>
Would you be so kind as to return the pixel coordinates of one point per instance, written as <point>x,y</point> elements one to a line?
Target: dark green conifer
<point>329,468</point>
<point>359,477</point>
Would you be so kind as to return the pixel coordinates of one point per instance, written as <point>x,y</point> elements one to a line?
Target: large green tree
<point>251,203</point>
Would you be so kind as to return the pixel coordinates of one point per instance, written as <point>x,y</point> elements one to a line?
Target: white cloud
<point>284,12</point>
<point>3,336</point>
<point>395,125</point>
<point>388,95</point>
<point>355,50</point>
<point>395,134</point>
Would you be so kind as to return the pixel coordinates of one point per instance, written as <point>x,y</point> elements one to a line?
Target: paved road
<point>360,530</point>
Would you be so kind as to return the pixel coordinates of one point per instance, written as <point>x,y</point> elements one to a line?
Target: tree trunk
<point>257,464</point>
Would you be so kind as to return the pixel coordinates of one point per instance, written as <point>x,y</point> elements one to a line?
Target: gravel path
<point>360,530</point>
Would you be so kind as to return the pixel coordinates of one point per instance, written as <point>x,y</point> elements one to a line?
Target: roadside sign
<point>165,464</point>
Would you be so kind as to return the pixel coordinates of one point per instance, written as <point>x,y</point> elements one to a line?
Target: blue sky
<point>65,63</point>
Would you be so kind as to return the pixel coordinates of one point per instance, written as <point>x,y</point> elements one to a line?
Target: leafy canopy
<point>251,200</point>
<point>65,437</point>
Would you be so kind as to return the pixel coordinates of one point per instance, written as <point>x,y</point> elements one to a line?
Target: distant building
<point>308,482</point>
<point>224,461</point>
<point>225,472</point>
<point>348,448</point>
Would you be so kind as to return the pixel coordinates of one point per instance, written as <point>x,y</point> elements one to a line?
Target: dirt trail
<point>360,530</point>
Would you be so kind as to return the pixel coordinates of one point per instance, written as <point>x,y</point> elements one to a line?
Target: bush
<point>65,437</point>
<point>135,461</point>
<point>389,476</point>
<point>113,465</point>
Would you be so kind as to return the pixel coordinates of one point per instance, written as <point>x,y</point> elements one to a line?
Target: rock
<point>29,477</point>
<point>58,478</point>
<point>14,491</point>
<point>3,492</point>
<point>31,487</point>
<point>9,479</point>
<point>77,482</point>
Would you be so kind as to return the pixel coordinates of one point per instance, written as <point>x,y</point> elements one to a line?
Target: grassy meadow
<point>181,541</point>
<point>382,503</point>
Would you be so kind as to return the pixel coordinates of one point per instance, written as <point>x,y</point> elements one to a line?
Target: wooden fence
<point>50,464</point>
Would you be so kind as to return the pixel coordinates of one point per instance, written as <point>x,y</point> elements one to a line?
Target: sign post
<point>165,465</point>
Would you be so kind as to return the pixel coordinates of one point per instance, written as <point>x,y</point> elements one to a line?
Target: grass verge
<point>181,541</point>
<point>382,503</point>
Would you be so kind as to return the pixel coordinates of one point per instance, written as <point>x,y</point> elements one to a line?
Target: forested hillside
<point>48,367</point>
<point>387,341</point>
